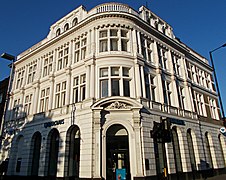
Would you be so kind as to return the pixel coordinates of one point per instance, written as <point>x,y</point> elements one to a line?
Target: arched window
<point>75,22</point>
<point>72,154</point>
<point>35,153</point>
<point>176,150</point>
<point>53,147</point>
<point>209,160</point>
<point>58,32</point>
<point>191,149</point>
<point>222,145</point>
<point>19,158</point>
<point>66,27</point>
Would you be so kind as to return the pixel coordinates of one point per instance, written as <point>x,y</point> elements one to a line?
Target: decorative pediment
<point>117,103</point>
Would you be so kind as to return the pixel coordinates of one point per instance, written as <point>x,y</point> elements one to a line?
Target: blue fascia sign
<point>53,123</point>
<point>177,121</point>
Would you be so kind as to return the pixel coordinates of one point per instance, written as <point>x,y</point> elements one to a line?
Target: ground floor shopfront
<point>112,140</point>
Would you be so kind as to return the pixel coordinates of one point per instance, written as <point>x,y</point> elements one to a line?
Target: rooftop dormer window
<point>66,27</point>
<point>58,32</point>
<point>75,22</point>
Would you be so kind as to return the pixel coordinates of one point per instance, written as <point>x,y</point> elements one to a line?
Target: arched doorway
<point>72,152</point>
<point>35,153</point>
<point>117,153</point>
<point>53,146</point>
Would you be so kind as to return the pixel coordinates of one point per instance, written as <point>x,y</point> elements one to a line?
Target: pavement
<point>220,177</point>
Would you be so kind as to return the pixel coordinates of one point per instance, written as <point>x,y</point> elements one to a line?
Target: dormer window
<point>66,27</point>
<point>75,22</point>
<point>58,32</point>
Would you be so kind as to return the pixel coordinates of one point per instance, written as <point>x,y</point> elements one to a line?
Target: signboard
<point>120,174</point>
<point>53,123</point>
<point>177,121</point>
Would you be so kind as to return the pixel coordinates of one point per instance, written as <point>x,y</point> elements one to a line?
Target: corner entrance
<point>117,153</point>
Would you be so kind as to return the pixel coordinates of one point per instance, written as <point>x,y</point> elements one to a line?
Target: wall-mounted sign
<point>177,121</point>
<point>53,123</point>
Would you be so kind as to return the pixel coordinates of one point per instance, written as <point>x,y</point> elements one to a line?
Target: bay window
<point>114,81</point>
<point>113,40</point>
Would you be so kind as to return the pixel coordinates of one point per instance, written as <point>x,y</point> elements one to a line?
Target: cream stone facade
<point>88,101</point>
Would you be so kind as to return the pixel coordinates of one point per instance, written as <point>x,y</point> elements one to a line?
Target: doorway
<point>117,154</point>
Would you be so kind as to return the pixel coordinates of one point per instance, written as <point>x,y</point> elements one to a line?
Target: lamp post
<point>11,58</point>
<point>215,76</point>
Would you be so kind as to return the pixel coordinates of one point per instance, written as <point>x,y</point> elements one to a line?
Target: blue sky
<point>199,24</point>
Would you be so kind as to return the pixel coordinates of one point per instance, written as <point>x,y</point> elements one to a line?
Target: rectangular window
<point>126,87</point>
<point>213,108</point>
<point>44,100</point>
<point>62,58</point>
<point>114,44</point>
<point>103,33</point>
<point>79,88</point>
<point>80,50</point>
<point>115,87</point>
<point>20,77</point>
<point>115,40</point>
<point>104,88</point>
<point>60,95</point>
<point>124,45</point>
<point>181,97</point>
<point>166,92</point>
<point>115,71</point>
<point>27,104</point>
<point>103,45</point>
<point>31,73</point>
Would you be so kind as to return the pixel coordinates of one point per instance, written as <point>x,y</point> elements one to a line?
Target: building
<point>112,92</point>
<point>3,92</point>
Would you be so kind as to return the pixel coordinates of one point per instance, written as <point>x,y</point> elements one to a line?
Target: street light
<point>12,59</point>
<point>215,76</point>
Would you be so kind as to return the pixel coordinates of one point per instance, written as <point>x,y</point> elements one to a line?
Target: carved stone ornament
<point>118,105</point>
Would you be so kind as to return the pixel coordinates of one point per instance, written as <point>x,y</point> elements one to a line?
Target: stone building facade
<point>94,98</point>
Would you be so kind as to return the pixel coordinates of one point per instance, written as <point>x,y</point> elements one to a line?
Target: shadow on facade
<point>30,154</point>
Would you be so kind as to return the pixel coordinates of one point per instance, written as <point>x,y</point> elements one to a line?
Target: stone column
<point>97,168</point>
<point>138,144</point>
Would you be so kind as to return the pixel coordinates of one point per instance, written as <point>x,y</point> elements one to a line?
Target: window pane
<point>104,88</point>
<point>124,45</point>
<point>115,71</point>
<point>124,33</point>
<point>75,95</point>
<point>103,72</point>
<point>83,92</point>
<point>113,32</point>
<point>114,44</point>
<point>125,71</point>
<point>103,45</point>
<point>103,34</point>
<point>126,87</point>
<point>115,87</point>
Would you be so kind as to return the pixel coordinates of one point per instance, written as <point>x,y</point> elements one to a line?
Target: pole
<point>215,76</point>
